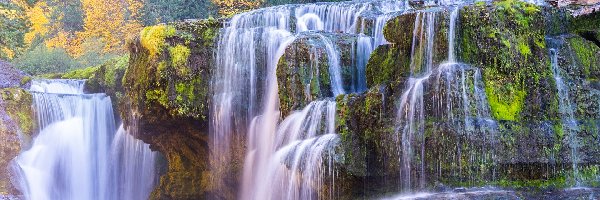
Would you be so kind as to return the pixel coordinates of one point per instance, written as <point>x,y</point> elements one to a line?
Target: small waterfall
<point>458,95</point>
<point>71,157</point>
<point>410,117</point>
<point>302,139</point>
<point>334,66</point>
<point>133,166</point>
<point>568,121</point>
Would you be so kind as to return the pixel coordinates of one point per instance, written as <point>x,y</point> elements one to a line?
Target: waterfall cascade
<point>246,90</point>
<point>458,96</point>
<point>76,154</point>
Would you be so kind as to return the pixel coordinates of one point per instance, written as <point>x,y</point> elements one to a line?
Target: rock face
<point>11,77</point>
<point>303,71</point>
<point>166,102</point>
<point>503,50</point>
<point>17,122</point>
<point>505,43</point>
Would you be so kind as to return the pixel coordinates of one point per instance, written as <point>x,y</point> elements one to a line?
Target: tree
<point>162,11</point>
<point>232,7</point>
<point>12,30</point>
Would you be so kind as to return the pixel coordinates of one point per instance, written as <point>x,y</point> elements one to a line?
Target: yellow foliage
<point>67,41</point>
<point>153,38</point>
<point>38,16</point>
<point>9,53</point>
<point>112,21</point>
<point>232,7</point>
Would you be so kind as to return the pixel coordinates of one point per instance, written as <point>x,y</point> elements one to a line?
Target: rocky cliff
<point>17,122</point>
<point>503,58</point>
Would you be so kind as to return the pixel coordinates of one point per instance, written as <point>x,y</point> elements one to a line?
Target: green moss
<point>584,23</point>
<point>179,59</point>
<point>113,68</point>
<point>153,38</point>
<point>18,106</point>
<point>159,96</point>
<point>587,55</point>
<point>524,49</point>
<point>25,80</point>
<point>506,102</point>
<point>85,73</point>
<point>508,42</point>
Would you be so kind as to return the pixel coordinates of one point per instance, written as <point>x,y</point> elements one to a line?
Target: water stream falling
<point>410,117</point>
<point>74,156</point>
<point>458,96</point>
<point>568,121</point>
<point>246,92</point>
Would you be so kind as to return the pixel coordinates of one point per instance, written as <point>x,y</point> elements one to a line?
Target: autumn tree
<point>13,27</point>
<point>232,7</point>
<point>162,11</point>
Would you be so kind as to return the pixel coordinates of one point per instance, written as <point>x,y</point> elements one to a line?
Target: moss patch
<point>587,54</point>
<point>84,73</point>
<point>153,38</point>
<point>507,40</point>
<point>179,59</point>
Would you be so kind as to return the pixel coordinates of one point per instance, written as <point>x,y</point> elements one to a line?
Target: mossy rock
<point>166,100</point>
<point>18,125</point>
<point>587,54</point>
<point>507,40</point>
<point>85,73</point>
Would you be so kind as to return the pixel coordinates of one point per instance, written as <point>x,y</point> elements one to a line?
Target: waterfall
<point>246,92</point>
<point>334,66</point>
<point>302,139</point>
<point>458,95</point>
<point>568,121</point>
<point>71,157</point>
<point>410,117</point>
<point>132,166</point>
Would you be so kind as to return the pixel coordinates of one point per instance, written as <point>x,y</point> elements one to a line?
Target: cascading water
<point>410,117</point>
<point>459,97</point>
<point>132,166</point>
<point>72,158</point>
<point>302,139</point>
<point>463,100</point>
<point>568,121</point>
<point>246,91</point>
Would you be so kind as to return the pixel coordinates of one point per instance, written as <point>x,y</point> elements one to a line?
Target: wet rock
<point>303,72</point>
<point>11,77</point>
<point>17,127</point>
<point>166,101</point>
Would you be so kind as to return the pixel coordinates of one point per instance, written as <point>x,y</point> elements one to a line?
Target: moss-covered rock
<point>524,145</point>
<point>166,101</point>
<point>507,39</point>
<point>17,127</point>
<point>390,65</point>
<point>587,55</point>
<point>84,73</point>
<point>303,72</point>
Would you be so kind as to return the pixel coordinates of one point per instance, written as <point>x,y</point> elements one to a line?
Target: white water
<point>410,117</point>
<point>246,90</point>
<point>72,158</point>
<point>459,95</point>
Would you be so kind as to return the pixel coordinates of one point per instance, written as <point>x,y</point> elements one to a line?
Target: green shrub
<point>42,60</point>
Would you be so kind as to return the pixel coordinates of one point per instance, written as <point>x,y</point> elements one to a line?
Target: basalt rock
<point>17,121</point>
<point>166,101</point>
<point>303,71</point>
<point>523,143</point>
<point>17,127</point>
